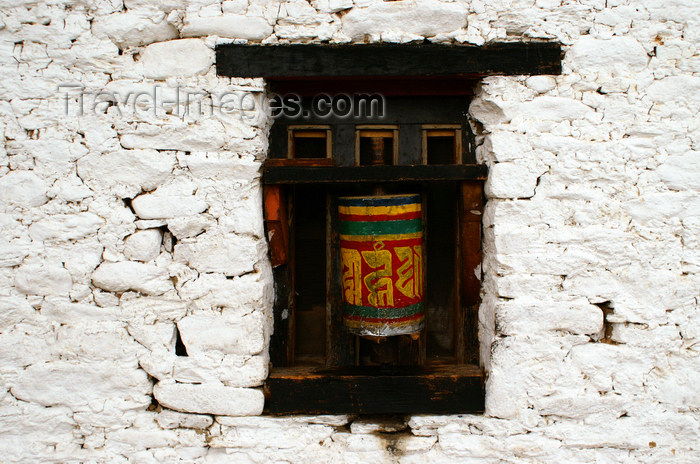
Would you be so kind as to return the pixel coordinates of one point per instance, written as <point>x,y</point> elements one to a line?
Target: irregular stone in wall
<point>14,310</point>
<point>676,89</point>
<point>63,311</point>
<point>474,447</point>
<point>30,430</point>
<point>222,165</point>
<point>78,384</point>
<point>247,219</point>
<point>680,11</point>
<point>127,275</point>
<point>422,17</point>
<point>210,399</point>
<point>691,254</point>
<point>143,224</point>
<point>230,254</point>
<point>159,5</point>
<point>79,257</point>
<point>126,172</point>
<point>505,146</point>
<point>215,290</point>
<point>374,425</point>
<point>95,341</point>
<point>143,245</point>
<point>150,310</point>
<point>622,54</point>
<point>43,279</point>
<point>487,112</point>
<point>229,26</point>
<point>677,383</point>
<point>608,367</point>
<point>65,227</point>
<point>52,158</point>
<point>513,180</point>
<point>158,364</point>
<point>20,349</point>
<point>208,134</point>
<point>169,419</point>
<point>70,189</point>
<point>332,6</point>
<point>680,172</point>
<point>526,316</point>
<point>184,57</point>
<point>232,370</point>
<point>525,366</point>
<point>290,433</point>
<point>178,198</point>
<point>298,12</point>
<point>134,28</point>
<point>23,188</point>
<point>190,226</point>
<point>202,333</point>
<point>160,335</point>
<point>12,253</point>
<point>552,109</point>
<point>145,435</point>
<point>654,208</point>
<point>541,84</point>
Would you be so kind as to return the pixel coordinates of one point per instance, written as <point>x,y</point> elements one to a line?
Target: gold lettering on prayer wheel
<point>381,251</point>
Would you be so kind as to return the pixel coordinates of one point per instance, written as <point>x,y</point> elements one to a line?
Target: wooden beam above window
<point>383,59</point>
<point>276,174</point>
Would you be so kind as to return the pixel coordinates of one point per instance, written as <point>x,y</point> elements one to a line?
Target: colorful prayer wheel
<point>381,251</point>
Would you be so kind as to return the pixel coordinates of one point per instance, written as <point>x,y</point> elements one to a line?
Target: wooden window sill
<point>433,389</point>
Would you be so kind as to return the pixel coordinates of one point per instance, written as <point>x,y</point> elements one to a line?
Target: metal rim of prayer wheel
<point>381,250</point>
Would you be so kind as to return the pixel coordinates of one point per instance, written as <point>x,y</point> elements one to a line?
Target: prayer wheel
<point>381,251</point>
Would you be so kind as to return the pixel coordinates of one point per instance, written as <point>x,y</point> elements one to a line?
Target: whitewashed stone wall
<point>134,221</point>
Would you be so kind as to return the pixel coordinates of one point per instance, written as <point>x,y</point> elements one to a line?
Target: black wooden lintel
<point>386,60</point>
<point>340,174</point>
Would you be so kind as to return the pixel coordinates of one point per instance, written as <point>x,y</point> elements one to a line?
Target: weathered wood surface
<point>276,224</point>
<point>298,162</point>
<point>340,344</point>
<point>467,323</point>
<point>334,174</point>
<point>347,60</point>
<point>375,390</point>
<point>387,86</point>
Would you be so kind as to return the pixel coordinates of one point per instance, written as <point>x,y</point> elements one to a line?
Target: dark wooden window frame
<point>305,70</point>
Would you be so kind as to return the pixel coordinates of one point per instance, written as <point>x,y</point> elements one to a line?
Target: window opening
<point>309,142</point>
<point>442,144</point>
<point>312,349</point>
<point>373,140</point>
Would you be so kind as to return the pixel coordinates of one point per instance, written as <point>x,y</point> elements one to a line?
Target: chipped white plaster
<point>131,215</point>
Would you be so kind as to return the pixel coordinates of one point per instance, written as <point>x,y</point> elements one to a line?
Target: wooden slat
<point>388,87</point>
<point>441,133</point>
<point>347,60</point>
<point>281,343</point>
<point>376,133</point>
<point>340,344</point>
<point>310,134</point>
<point>335,174</point>
<point>298,162</point>
<point>376,390</point>
<point>410,143</point>
<point>276,224</point>
<point>472,206</point>
<point>389,111</point>
<point>344,144</point>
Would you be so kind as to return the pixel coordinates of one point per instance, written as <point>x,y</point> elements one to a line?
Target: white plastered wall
<point>135,218</point>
